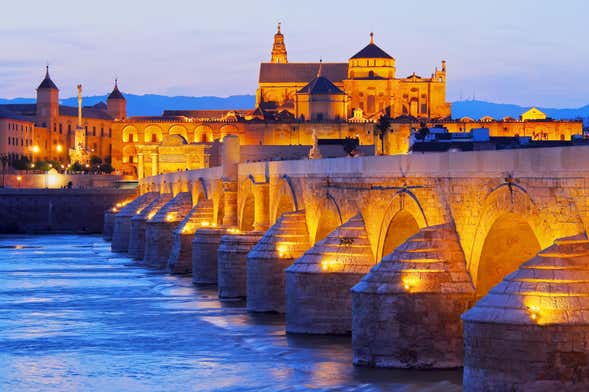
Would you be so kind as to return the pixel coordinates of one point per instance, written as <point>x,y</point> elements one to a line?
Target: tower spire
<point>279,48</point>
<point>320,70</point>
<point>371,38</point>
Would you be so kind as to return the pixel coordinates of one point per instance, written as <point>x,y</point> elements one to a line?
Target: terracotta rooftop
<point>301,72</point>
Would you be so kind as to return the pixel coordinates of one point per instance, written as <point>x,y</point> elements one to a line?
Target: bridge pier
<point>180,261</point>
<point>109,222</point>
<point>284,242</point>
<point>232,263</point>
<point>139,223</point>
<point>406,311</point>
<point>204,254</point>
<point>318,285</point>
<point>159,231</point>
<point>530,331</point>
<point>122,223</point>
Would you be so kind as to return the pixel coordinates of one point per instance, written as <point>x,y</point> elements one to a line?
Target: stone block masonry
<point>122,221</point>
<point>406,311</point>
<point>180,261</point>
<point>531,332</point>
<point>159,231</point>
<point>204,254</point>
<point>57,210</point>
<point>318,285</point>
<point>139,224</point>
<point>232,263</point>
<point>109,223</point>
<point>286,241</point>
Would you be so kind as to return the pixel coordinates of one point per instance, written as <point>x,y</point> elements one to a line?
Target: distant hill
<point>478,109</point>
<point>153,105</point>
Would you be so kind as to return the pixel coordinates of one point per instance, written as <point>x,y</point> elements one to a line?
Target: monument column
<point>140,163</point>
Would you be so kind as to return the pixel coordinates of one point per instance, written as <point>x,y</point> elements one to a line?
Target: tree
<point>422,133</point>
<point>76,167</point>
<point>381,127</point>
<point>22,163</point>
<point>351,144</point>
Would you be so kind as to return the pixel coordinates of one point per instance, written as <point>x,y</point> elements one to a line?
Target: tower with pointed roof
<point>279,48</point>
<point>116,104</point>
<point>47,101</point>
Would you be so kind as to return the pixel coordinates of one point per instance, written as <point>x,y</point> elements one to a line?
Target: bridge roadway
<point>474,259</point>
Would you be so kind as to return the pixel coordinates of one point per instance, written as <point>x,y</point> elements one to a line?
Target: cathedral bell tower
<point>279,48</point>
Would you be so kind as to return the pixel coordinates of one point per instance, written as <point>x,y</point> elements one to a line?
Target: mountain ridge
<point>155,104</point>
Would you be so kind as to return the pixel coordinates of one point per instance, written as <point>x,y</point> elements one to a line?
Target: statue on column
<point>315,153</point>
<point>79,153</point>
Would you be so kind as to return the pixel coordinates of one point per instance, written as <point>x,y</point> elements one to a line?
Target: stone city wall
<point>57,210</point>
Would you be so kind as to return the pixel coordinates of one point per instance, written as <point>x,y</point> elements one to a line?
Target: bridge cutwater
<point>474,259</point>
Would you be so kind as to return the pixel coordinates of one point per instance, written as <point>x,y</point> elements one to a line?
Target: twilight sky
<point>529,52</point>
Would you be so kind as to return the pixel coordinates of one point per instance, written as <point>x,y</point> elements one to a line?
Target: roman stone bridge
<point>431,261</point>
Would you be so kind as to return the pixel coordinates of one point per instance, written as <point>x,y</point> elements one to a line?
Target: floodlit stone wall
<point>57,210</point>
<point>139,223</point>
<point>159,231</point>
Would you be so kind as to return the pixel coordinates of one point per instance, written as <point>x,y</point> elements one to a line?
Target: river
<point>76,317</point>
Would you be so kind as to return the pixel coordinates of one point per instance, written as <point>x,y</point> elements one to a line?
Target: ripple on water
<point>74,316</point>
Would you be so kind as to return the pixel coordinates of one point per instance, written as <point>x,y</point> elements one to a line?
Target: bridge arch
<point>403,217</point>
<point>511,229</point>
<point>198,191</point>
<point>247,206</point>
<point>328,218</point>
<point>285,200</point>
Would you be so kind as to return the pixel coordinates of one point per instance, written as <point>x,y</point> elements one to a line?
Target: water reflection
<point>74,316</point>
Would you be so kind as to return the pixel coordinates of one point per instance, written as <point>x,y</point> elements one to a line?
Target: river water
<point>76,317</point>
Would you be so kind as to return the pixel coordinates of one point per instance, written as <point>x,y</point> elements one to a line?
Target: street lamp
<point>18,179</point>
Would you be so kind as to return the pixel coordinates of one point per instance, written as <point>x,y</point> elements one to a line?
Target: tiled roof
<point>30,109</point>
<point>371,51</point>
<point>92,112</point>
<point>47,83</point>
<point>301,72</point>
<point>116,94</point>
<point>320,85</point>
<point>4,113</point>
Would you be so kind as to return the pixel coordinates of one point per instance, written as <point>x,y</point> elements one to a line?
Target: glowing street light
<point>59,148</point>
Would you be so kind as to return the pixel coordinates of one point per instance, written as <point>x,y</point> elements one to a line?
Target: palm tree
<point>381,128</point>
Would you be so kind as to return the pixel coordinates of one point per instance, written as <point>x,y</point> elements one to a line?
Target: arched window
<point>371,74</point>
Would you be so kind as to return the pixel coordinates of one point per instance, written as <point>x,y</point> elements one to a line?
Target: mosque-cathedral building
<point>294,102</point>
